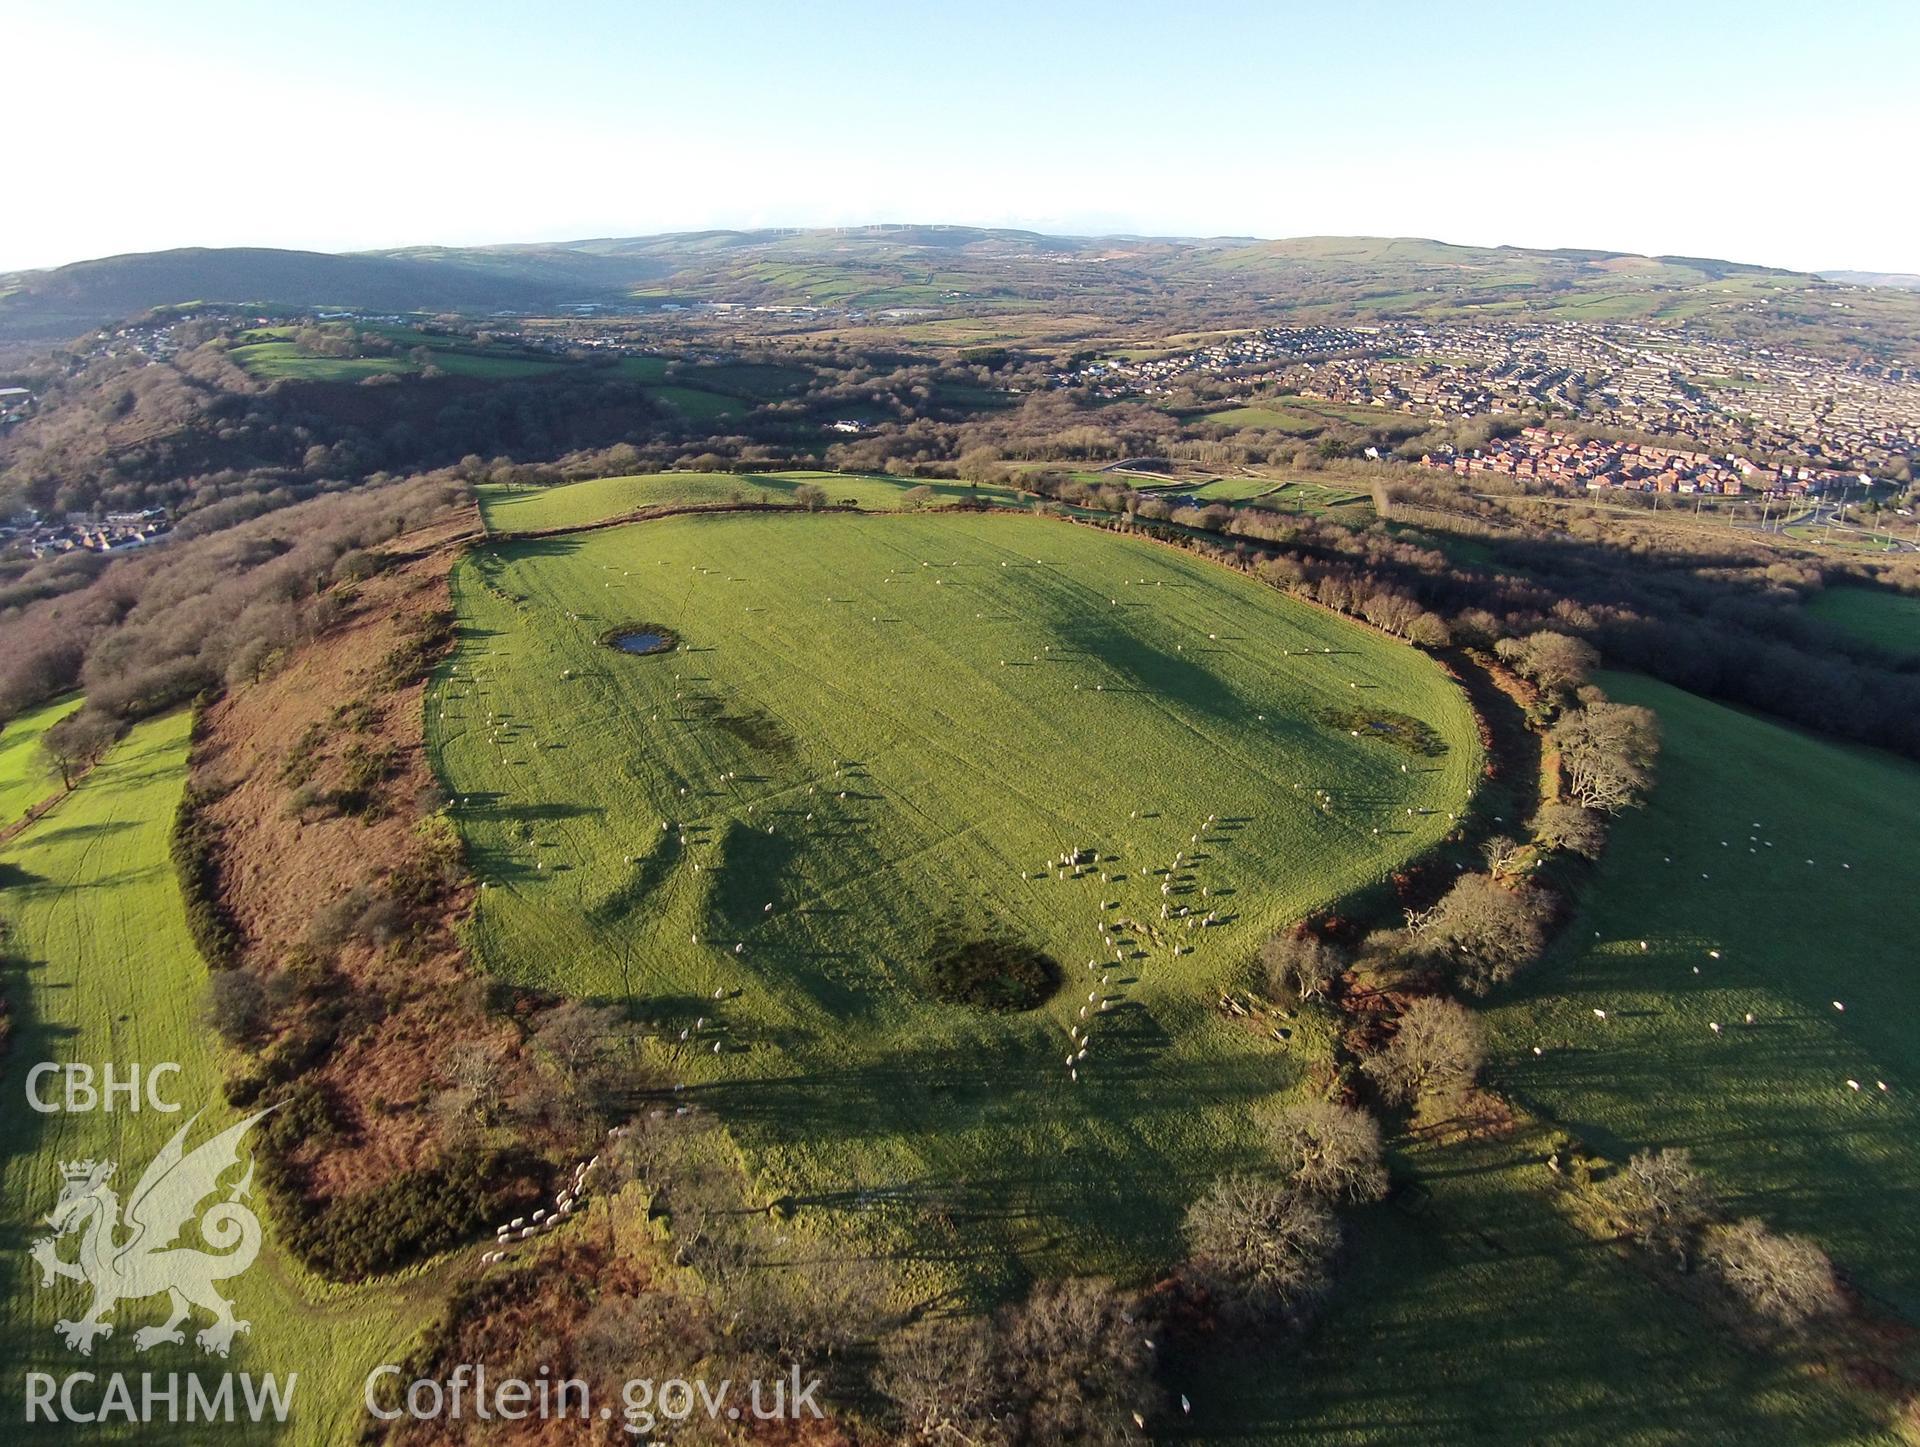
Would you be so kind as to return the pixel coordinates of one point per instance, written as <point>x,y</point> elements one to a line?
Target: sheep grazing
<point>1853,1085</point>
<point>516,1223</point>
<point>1838,1006</point>
<point>1599,1014</point>
<point>1714,1025</point>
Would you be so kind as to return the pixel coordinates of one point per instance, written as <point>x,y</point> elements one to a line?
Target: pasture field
<point>575,504</point>
<point>1235,489</point>
<point>1472,1310</point>
<point>881,732</point>
<point>109,972</point>
<point>1341,503</point>
<point>25,775</point>
<point>698,406</point>
<point>1305,417</point>
<point>1890,621</point>
<point>1792,857</point>
<point>278,356</point>
<point>273,360</point>
<point>1268,418</point>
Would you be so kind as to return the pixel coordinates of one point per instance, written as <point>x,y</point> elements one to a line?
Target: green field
<point>575,504</point>
<point>275,360</point>
<point>1271,419</point>
<point>1476,1312</point>
<point>1791,856</point>
<point>883,724</point>
<point>1235,489</point>
<point>1304,417</point>
<point>1344,504</point>
<point>111,974</point>
<point>1889,621</point>
<point>698,406</point>
<point>25,775</point>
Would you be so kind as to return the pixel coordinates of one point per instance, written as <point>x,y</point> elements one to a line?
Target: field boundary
<point>36,812</point>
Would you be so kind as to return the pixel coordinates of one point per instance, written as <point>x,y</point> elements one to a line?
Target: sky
<point>1772,131</point>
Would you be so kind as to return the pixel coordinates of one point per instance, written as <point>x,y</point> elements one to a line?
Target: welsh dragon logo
<point>124,1257</point>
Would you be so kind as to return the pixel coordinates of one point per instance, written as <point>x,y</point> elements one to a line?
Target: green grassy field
<point>1272,419</point>
<point>1304,416</point>
<point>1345,504</point>
<point>1792,857</point>
<point>273,360</point>
<point>284,358</point>
<point>1890,621</point>
<point>698,406</point>
<point>111,975</point>
<point>25,775</point>
<point>1235,489</point>
<point>1478,1313</point>
<point>519,509</point>
<point>875,725</point>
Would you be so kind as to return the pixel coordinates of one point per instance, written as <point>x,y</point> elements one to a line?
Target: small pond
<point>641,638</point>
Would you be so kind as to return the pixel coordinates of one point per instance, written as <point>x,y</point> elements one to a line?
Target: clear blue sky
<point>1775,131</point>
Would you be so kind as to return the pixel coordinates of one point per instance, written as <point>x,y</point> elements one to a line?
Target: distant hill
<point>888,272</point>
<point>71,299</point>
<point>1904,280</point>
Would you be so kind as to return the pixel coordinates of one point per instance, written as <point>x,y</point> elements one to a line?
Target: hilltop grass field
<point>26,777</point>
<point>1890,621</point>
<point>878,736</point>
<point>1791,857</point>
<point>577,504</point>
<point>107,972</point>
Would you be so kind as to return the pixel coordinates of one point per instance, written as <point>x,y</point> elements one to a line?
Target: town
<point>114,532</point>
<point>1707,394</point>
<point>1584,464</point>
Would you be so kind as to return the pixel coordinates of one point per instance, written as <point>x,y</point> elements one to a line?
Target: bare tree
<point>1074,1365</point>
<point>1571,829</point>
<point>1433,1056</point>
<point>1607,751</point>
<point>1500,852</point>
<point>1265,1248</point>
<point>1300,962</point>
<point>1786,1280</point>
<point>77,742</point>
<point>1489,931</point>
<point>940,1377</point>
<point>1330,1150</point>
<point>1552,660</point>
<point>1663,1198</point>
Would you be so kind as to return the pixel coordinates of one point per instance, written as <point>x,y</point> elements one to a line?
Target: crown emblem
<point>80,1172</point>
